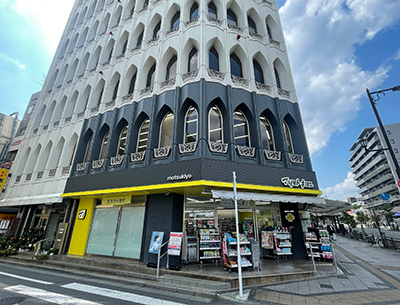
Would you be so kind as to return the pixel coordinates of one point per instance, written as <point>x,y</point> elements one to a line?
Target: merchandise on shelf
<point>209,244</point>
<point>283,241</point>
<point>229,251</point>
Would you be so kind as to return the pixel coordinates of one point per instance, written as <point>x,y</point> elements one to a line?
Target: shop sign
<point>7,217</point>
<point>226,202</point>
<point>289,216</point>
<point>175,243</point>
<point>82,214</point>
<point>297,182</point>
<point>179,177</point>
<point>116,200</point>
<point>156,242</point>
<point>3,176</point>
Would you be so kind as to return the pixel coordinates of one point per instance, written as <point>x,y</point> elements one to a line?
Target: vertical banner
<point>175,243</point>
<point>156,242</point>
<point>3,177</point>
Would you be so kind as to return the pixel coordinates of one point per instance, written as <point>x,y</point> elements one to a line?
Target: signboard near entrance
<point>175,243</point>
<point>60,236</point>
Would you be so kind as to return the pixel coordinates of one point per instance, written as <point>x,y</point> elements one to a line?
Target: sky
<point>337,49</point>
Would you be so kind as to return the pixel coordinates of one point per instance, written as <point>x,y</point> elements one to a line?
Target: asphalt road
<point>34,286</point>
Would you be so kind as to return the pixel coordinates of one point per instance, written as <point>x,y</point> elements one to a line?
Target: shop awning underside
<point>227,195</point>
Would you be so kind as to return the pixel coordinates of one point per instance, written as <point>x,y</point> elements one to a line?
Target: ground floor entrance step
<point>194,282</point>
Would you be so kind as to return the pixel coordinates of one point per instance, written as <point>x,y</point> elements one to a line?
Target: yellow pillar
<point>80,232</point>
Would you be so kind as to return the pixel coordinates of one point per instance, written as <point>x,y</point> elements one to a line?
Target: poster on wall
<point>175,243</point>
<point>267,240</point>
<point>156,242</point>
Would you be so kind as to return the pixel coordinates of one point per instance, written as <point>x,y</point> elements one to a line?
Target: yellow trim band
<point>147,189</point>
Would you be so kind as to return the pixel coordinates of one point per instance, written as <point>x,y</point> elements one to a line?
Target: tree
<point>361,217</point>
<point>356,206</point>
<point>348,219</point>
<point>387,211</point>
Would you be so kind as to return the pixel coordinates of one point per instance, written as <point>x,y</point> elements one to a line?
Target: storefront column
<point>81,228</point>
<point>164,213</point>
<point>291,219</point>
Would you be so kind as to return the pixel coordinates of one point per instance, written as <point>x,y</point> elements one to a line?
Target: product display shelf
<point>320,246</point>
<point>229,250</point>
<point>209,244</point>
<point>283,243</point>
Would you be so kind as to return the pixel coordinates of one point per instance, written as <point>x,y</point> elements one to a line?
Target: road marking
<point>25,278</point>
<point>115,294</point>
<point>48,296</point>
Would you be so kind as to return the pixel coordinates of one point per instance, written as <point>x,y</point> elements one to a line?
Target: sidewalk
<point>371,275</point>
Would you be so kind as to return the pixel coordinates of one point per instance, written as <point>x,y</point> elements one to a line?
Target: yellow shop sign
<point>116,200</point>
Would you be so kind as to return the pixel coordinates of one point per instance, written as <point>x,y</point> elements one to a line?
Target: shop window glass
<point>143,136</point>
<point>156,30</point>
<point>288,137</point>
<point>215,125</point>
<point>166,132</point>
<point>267,136</point>
<point>191,125</point>
<point>122,141</point>
<point>102,234</point>
<point>129,239</point>
<point>213,59</point>
<point>104,146</point>
<point>241,129</point>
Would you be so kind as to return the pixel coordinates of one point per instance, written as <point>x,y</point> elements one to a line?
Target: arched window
<point>140,39</point>
<point>193,60</point>
<point>269,32</point>
<point>277,79</point>
<point>288,137</point>
<point>122,141</point>
<point>212,10</point>
<point>100,97</point>
<point>132,84</point>
<point>150,76</point>
<point>166,131</point>
<point>258,72</point>
<point>213,59</point>
<point>194,11</point>
<point>252,25</point>
<point>236,65</point>
<point>175,20</point>
<point>124,47</point>
<point>267,136</point>
<point>215,125</point>
<point>241,129</point>
<point>86,156</point>
<point>103,147</point>
<point>232,19</point>
<point>115,93</point>
<point>145,3</point>
<point>143,136</point>
<point>156,30</point>
<point>171,68</point>
<point>191,125</point>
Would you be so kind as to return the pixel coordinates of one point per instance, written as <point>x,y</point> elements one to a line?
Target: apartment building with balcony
<point>373,168</point>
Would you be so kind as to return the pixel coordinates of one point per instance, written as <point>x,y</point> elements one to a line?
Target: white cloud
<point>321,38</point>
<point>343,190</point>
<point>5,58</point>
<point>49,15</point>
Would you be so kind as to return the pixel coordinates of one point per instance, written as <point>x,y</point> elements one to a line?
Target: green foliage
<point>348,219</point>
<point>361,217</point>
<point>42,257</point>
<point>356,206</point>
<point>26,241</point>
<point>387,211</point>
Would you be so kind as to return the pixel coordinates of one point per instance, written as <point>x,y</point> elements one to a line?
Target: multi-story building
<point>8,128</point>
<point>148,109</point>
<point>373,167</point>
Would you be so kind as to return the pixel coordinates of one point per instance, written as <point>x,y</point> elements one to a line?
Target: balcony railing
<point>117,160</point>
<point>295,158</point>
<point>146,90</point>
<point>52,172</point>
<point>97,163</point>
<point>138,156</point>
<point>216,74</point>
<point>80,167</point>
<point>217,147</point>
<point>273,155</point>
<point>261,86</point>
<point>187,147</point>
<point>246,151</point>
<point>274,43</point>
<point>192,21</point>
<point>168,82</point>
<point>110,104</point>
<point>28,177</point>
<point>191,74</point>
<point>175,29</point>
<point>239,80</point>
<point>65,170</point>
<point>284,93</point>
<point>162,152</point>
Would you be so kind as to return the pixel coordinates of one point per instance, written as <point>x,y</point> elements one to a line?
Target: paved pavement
<point>370,275</point>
